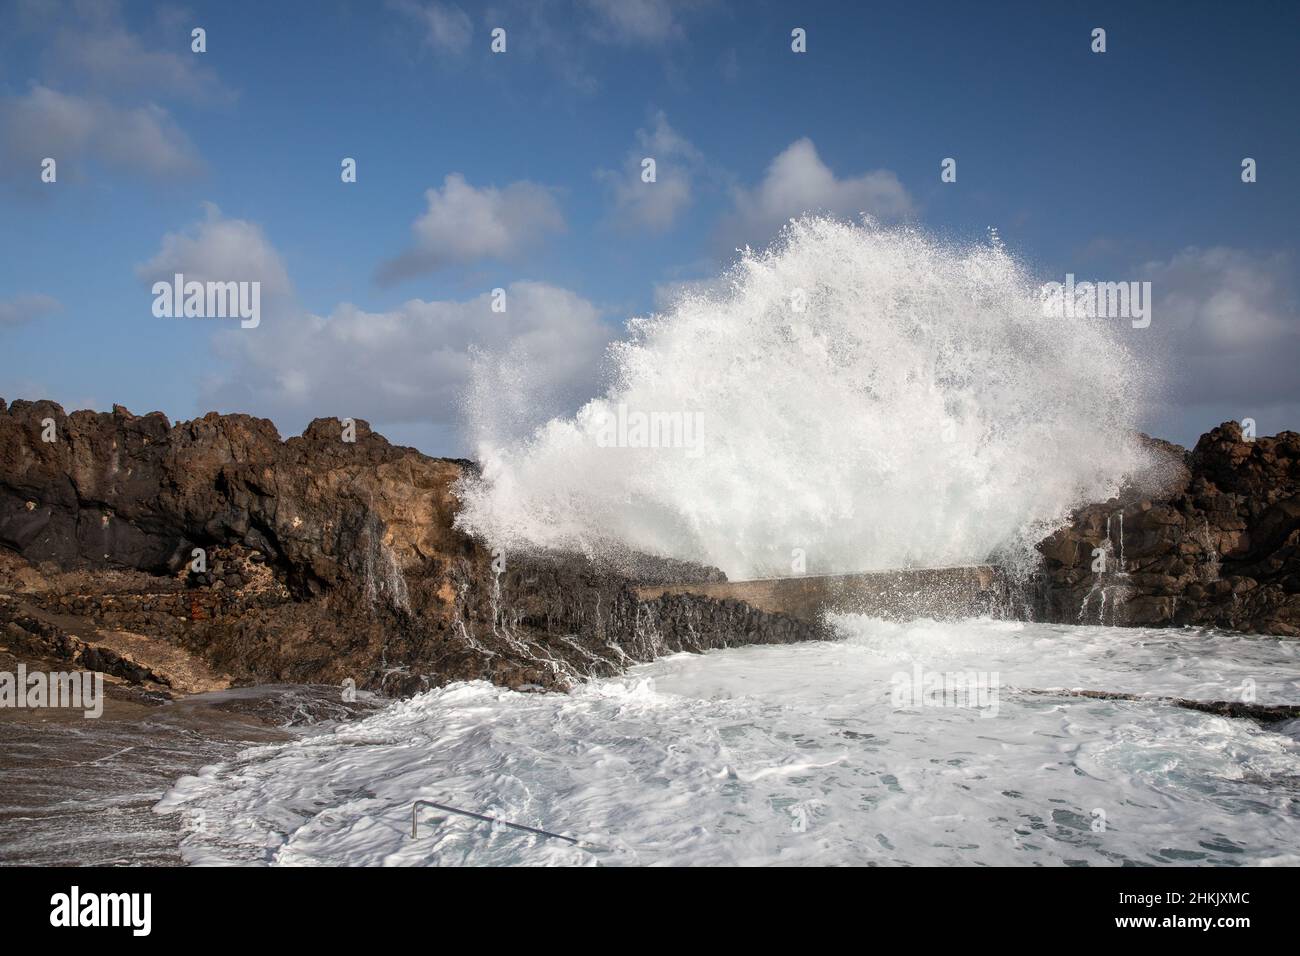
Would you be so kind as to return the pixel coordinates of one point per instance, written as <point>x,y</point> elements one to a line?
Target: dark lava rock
<point>1208,537</point>
<point>338,560</point>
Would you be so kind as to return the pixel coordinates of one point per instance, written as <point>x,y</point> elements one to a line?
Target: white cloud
<point>74,130</point>
<point>653,206</point>
<point>412,364</point>
<point>1225,336</point>
<point>1224,301</point>
<point>648,22</point>
<point>92,44</point>
<point>103,108</point>
<point>798,182</point>
<point>26,308</point>
<point>407,366</point>
<point>560,35</point>
<point>464,224</point>
<point>447,28</point>
<point>218,249</point>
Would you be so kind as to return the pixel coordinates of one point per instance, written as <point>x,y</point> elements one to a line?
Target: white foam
<point>920,411</point>
<point>795,754</point>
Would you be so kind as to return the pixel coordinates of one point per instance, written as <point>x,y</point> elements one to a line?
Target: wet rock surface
<point>323,561</point>
<point>326,561</point>
<point>1211,538</point>
<point>84,791</point>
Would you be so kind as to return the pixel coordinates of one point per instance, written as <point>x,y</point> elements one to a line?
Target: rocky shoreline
<point>329,561</point>
<point>325,562</point>
<point>1216,545</point>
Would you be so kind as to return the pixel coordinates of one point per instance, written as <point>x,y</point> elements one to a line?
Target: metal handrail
<point>415,809</point>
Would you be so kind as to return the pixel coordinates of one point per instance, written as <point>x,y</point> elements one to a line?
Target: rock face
<point>334,561</point>
<point>1216,542</point>
<point>322,560</point>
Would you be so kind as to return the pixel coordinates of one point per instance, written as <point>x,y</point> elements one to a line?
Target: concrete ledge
<point>900,594</point>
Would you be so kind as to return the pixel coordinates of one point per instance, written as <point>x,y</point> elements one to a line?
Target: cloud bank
<point>464,224</point>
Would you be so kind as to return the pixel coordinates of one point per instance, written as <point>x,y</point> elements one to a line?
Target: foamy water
<point>872,398</point>
<point>853,398</point>
<point>797,755</point>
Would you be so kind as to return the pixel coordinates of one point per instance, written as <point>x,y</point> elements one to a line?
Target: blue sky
<point>1122,165</point>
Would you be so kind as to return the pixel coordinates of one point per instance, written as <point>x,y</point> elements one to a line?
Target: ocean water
<point>852,398</point>
<point>801,754</point>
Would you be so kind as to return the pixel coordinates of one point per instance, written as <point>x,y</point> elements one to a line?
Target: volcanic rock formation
<point>1217,545</point>
<point>312,560</point>
<point>189,556</point>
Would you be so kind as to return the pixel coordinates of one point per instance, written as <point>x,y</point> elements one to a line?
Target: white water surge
<point>877,399</point>
<point>797,754</point>
<point>874,397</point>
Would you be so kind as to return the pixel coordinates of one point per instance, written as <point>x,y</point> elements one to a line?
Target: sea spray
<point>866,397</point>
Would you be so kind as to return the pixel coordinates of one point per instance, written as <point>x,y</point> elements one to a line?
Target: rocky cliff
<point>192,555</point>
<point>1217,545</point>
<point>319,560</point>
